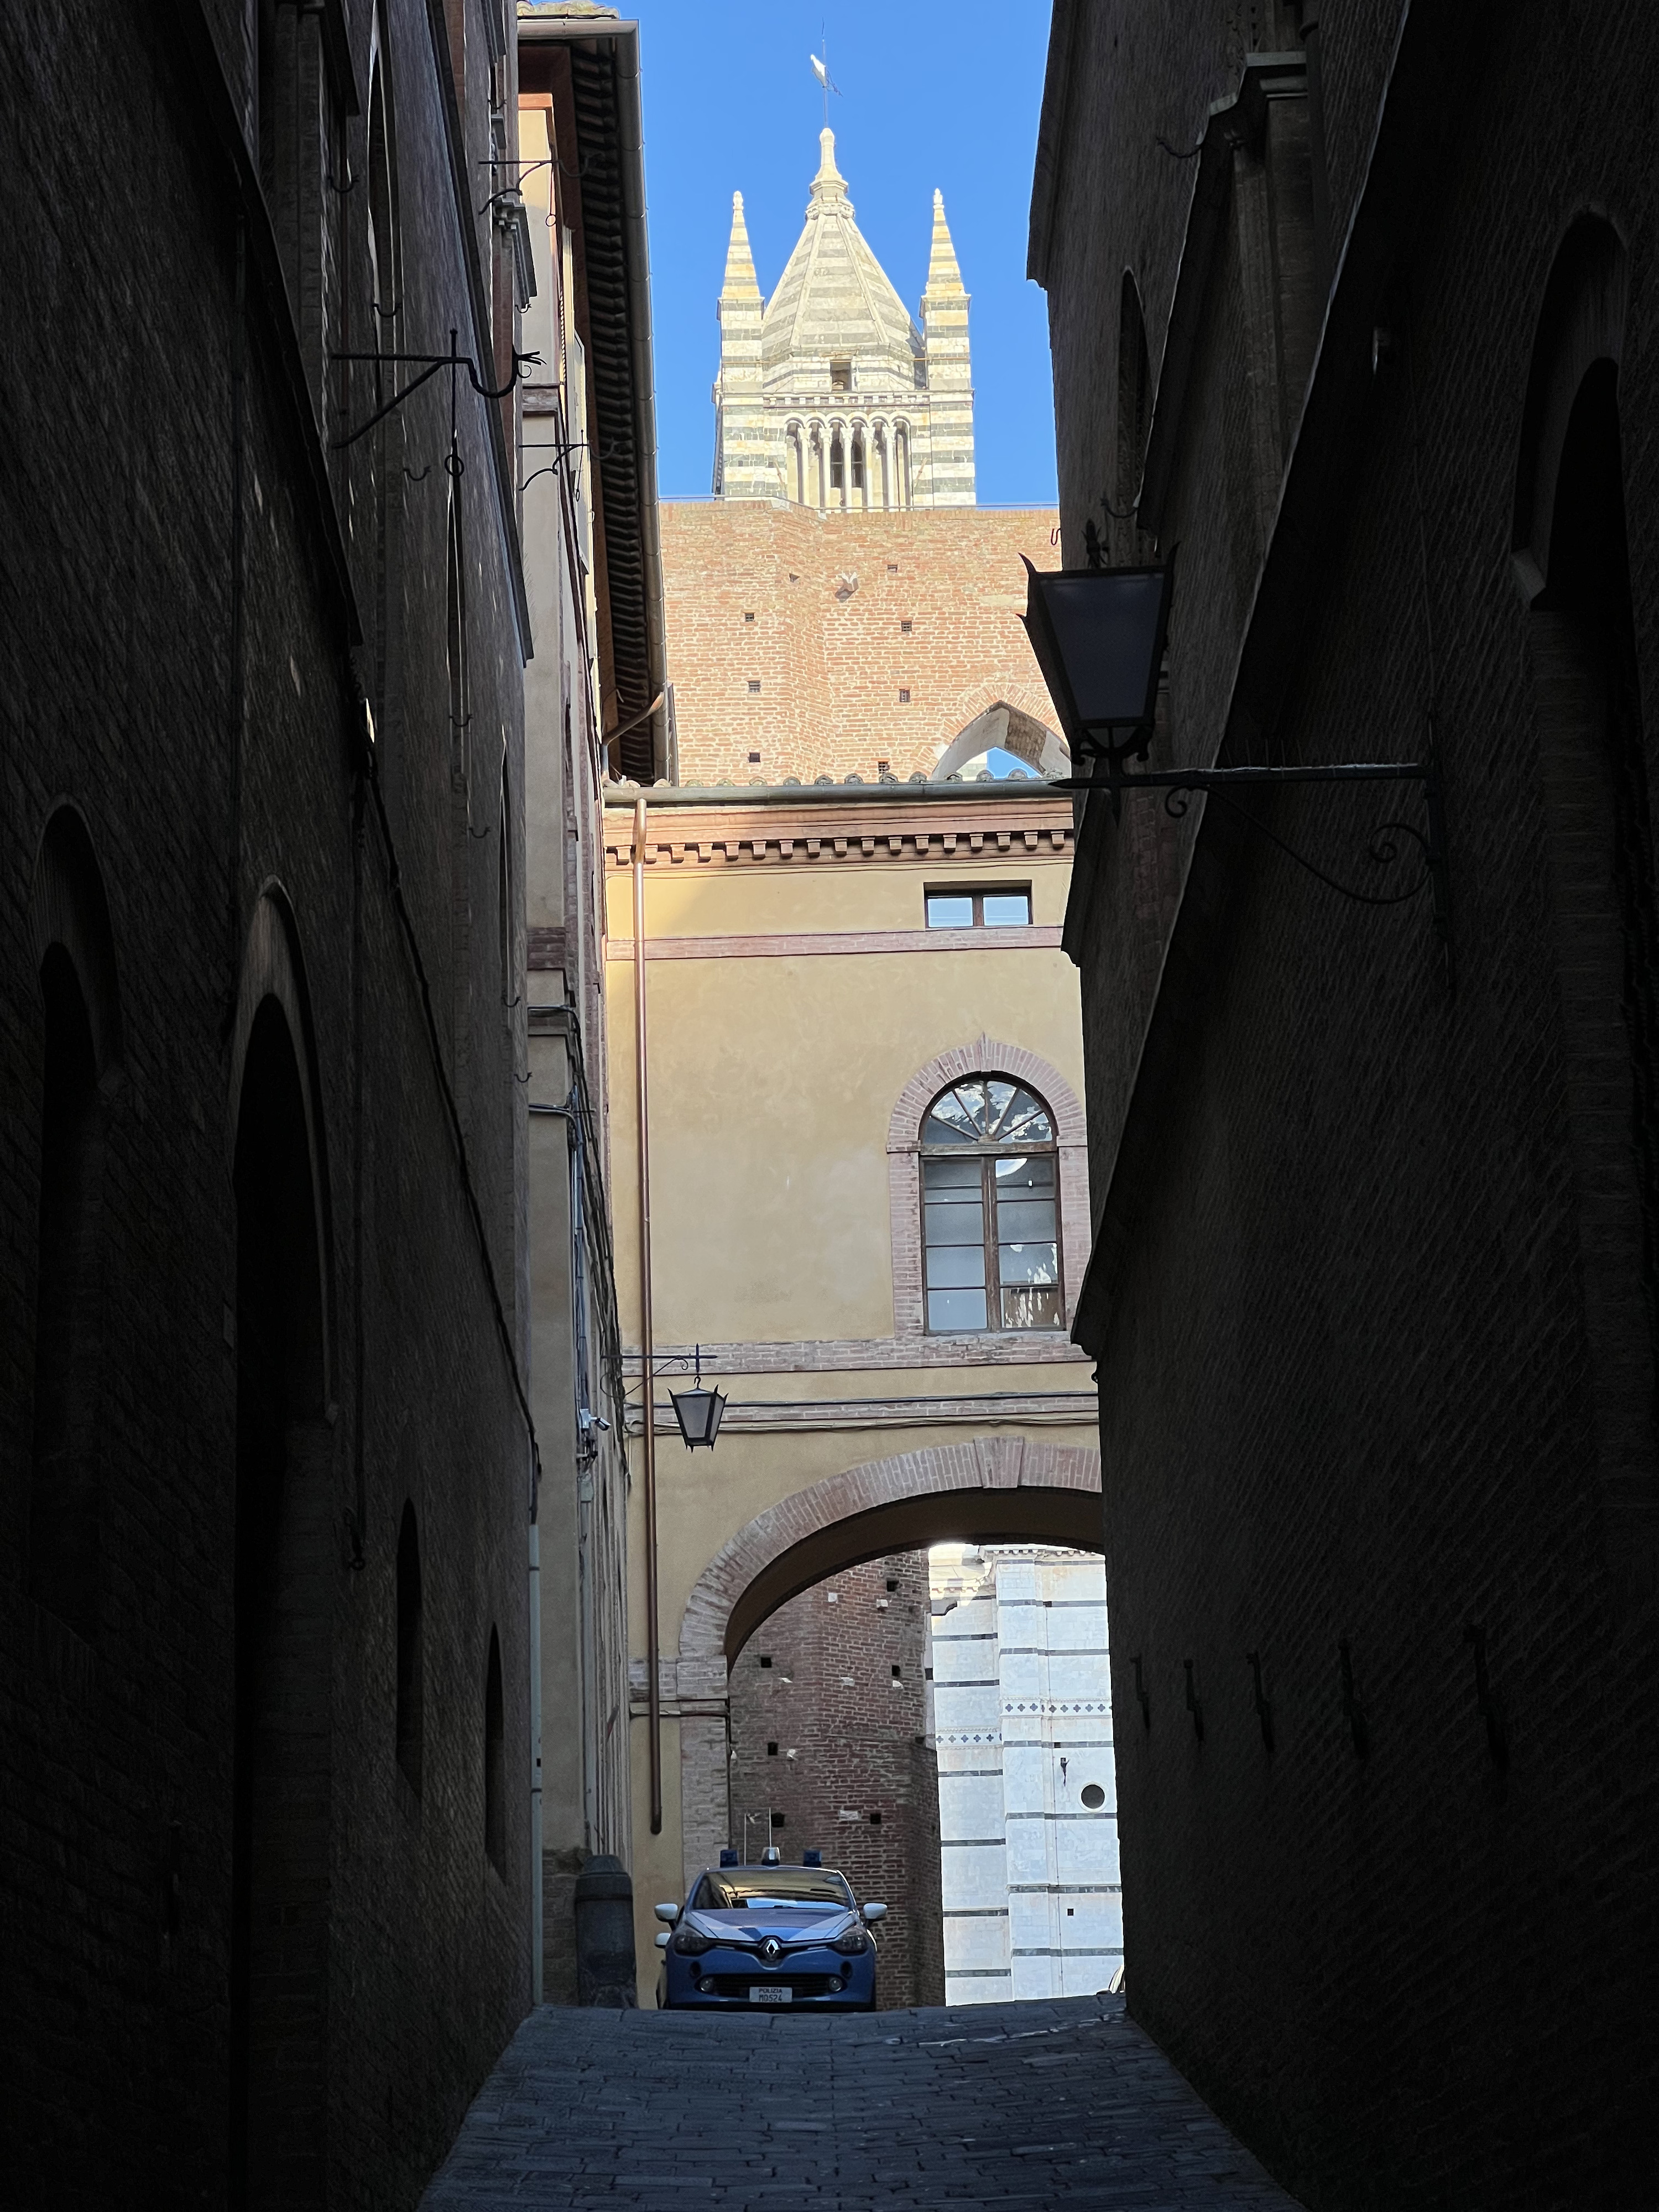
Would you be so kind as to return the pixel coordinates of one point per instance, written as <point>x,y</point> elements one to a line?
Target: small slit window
<point>990,1206</point>
<point>904,696</point>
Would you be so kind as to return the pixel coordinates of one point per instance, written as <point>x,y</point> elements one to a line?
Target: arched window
<point>494,1762</point>
<point>990,1208</point>
<point>858,471</point>
<point>411,1652</point>
<point>902,465</point>
<point>838,466</point>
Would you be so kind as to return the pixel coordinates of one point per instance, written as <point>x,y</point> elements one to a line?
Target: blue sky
<point>932,95</point>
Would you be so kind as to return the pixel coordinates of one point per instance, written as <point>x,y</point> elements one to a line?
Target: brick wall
<point>117,475</point>
<point>1401,1933</point>
<point>829,653</point>
<point>851,1774</point>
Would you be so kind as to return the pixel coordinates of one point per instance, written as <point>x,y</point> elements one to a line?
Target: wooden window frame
<point>987,1155</point>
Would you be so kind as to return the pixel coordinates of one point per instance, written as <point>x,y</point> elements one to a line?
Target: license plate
<point>769,1993</point>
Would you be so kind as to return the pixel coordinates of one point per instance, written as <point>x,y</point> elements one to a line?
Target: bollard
<point>605,1934</point>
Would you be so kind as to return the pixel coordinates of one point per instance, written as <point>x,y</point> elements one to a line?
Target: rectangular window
<point>754,683</point>
<point>906,628</point>
<point>1006,907</point>
<point>904,696</point>
<point>991,1242</point>
<point>840,376</point>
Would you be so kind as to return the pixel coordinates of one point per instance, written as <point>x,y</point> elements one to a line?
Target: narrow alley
<point>1065,2102</point>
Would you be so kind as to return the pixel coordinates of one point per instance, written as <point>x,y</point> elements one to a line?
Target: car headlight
<point>689,1944</point>
<point>853,1941</point>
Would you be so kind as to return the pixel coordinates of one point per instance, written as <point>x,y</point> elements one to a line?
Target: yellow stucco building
<point>868,1205</point>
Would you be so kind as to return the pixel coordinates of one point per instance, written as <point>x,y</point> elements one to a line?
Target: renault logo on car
<point>771,1950</point>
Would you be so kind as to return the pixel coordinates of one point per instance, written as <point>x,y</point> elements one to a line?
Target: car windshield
<point>754,1889</point>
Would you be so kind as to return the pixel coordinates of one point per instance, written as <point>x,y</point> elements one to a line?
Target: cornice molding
<point>737,834</point>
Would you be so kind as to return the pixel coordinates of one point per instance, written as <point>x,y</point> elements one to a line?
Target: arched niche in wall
<point>288,1554</point>
<point>1572,561</point>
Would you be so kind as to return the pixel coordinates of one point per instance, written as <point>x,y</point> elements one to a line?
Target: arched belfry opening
<point>1572,557</point>
<point>284,1585</point>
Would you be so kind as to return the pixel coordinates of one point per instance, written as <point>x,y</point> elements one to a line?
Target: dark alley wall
<point>1373,1286</point>
<point>264,1831</point>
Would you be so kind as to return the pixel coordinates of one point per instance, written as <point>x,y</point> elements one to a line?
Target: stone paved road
<point>992,2105</point>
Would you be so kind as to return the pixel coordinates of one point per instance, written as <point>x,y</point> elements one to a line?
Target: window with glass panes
<point>999,906</point>
<point>990,1210</point>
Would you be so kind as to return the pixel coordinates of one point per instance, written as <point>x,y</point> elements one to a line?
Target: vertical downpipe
<point>536,1933</point>
<point>653,1688</point>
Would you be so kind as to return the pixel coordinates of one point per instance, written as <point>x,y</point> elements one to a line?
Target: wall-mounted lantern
<point>1099,634</point>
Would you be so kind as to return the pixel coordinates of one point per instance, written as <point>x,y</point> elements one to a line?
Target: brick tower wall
<point>862,1786</point>
<point>829,595</point>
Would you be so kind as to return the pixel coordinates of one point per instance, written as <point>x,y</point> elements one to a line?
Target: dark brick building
<point>264,1741</point>
<point>830,1752</point>
<point>1354,303</point>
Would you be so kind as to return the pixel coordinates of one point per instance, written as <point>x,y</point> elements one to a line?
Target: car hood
<point>808,1923</point>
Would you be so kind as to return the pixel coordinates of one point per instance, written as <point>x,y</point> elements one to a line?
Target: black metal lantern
<point>1098,635</point>
<point>698,1410</point>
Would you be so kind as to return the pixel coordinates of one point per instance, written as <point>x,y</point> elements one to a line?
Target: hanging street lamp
<point>698,1410</point>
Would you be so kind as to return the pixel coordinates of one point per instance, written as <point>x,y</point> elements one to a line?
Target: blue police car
<point>754,1936</point>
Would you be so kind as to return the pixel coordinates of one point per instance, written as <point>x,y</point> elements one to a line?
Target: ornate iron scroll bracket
<point>1383,849</point>
<point>429,364</point>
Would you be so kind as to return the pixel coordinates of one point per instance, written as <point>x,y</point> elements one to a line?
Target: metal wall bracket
<point>1383,849</point>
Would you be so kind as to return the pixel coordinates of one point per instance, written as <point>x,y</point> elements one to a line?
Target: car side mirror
<point>874,1912</point>
<point>663,1940</point>
<point>670,1913</point>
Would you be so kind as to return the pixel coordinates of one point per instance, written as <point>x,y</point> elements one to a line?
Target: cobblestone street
<point>992,2104</point>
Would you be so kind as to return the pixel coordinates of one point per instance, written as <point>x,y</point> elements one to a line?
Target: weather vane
<point>820,70</point>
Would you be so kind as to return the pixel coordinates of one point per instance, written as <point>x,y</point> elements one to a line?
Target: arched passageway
<point>1007,1489</point>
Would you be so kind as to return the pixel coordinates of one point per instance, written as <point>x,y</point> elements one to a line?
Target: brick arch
<point>987,1488</point>
<point>984,1057</point>
<point>1029,697</point>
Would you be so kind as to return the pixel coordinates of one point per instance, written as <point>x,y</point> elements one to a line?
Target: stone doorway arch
<point>989,1489</point>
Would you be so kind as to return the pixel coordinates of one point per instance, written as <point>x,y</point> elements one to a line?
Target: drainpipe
<point>653,1688</point>
<point>535,1936</point>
